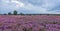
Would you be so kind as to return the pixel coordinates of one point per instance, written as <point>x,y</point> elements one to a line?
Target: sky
<point>30,6</point>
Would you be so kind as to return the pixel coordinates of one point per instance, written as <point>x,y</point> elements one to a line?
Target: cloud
<point>30,6</point>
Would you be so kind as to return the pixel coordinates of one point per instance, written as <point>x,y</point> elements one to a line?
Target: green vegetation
<point>9,13</point>
<point>21,14</point>
<point>15,12</point>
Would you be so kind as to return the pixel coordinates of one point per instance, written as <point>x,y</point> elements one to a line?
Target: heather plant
<point>30,29</point>
<point>9,27</point>
<point>25,29</point>
<point>55,22</point>
<point>42,29</point>
<point>2,28</point>
<point>18,23</point>
<point>14,28</point>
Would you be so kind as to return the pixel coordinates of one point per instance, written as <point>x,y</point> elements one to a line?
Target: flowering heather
<point>29,23</point>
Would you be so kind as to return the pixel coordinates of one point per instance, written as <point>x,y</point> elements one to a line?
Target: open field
<point>29,23</point>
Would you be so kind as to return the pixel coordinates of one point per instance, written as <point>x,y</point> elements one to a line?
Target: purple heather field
<point>29,15</point>
<point>29,23</point>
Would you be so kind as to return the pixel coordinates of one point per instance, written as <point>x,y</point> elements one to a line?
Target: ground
<point>29,23</point>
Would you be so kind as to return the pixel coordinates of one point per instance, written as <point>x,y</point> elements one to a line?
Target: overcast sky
<point>30,6</point>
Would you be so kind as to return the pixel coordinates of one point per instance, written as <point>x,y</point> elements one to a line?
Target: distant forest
<point>16,13</point>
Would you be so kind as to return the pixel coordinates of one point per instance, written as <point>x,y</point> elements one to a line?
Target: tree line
<point>14,13</point>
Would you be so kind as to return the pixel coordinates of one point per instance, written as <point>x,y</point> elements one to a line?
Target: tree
<point>9,13</point>
<point>5,14</point>
<point>15,12</point>
<point>21,14</point>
